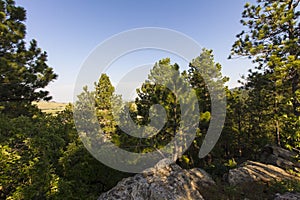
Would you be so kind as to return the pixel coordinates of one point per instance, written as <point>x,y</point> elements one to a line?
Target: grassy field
<point>50,107</point>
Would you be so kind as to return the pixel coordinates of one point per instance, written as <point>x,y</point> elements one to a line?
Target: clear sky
<point>70,29</point>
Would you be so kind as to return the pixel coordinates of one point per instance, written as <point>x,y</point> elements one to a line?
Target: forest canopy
<point>42,156</point>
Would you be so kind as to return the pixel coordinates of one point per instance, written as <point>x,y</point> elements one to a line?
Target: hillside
<point>51,106</point>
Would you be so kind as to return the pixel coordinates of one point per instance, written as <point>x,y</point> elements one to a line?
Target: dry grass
<point>50,107</point>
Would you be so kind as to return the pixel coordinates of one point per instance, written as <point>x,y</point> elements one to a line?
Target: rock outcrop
<point>279,157</point>
<point>251,171</point>
<point>164,181</point>
<point>169,181</point>
<point>288,196</point>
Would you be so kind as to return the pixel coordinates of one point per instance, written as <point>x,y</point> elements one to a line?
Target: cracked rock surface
<point>164,181</point>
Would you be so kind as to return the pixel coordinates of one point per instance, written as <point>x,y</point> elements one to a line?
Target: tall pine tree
<point>104,92</point>
<point>271,39</point>
<point>23,71</point>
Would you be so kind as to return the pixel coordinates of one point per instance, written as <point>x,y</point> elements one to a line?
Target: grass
<point>50,107</point>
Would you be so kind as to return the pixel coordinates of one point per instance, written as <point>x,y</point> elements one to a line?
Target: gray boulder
<point>251,171</point>
<point>288,196</point>
<point>165,181</point>
<point>280,157</point>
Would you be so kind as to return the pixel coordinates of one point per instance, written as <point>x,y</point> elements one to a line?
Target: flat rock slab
<point>251,171</point>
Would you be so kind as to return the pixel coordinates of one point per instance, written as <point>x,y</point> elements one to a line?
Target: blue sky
<point>69,30</point>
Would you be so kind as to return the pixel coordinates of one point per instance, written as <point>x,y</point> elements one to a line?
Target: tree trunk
<point>277,133</point>
<point>295,87</point>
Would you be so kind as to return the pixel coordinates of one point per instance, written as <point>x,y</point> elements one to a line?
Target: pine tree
<point>24,71</point>
<point>104,94</point>
<point>204,72</point>
<point>271,39</point>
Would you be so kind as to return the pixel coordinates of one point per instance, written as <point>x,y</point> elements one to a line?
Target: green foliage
<point>150,94</point>
<point>222,190</point>
<point>30,146</point>
<point>82,176</point>
<point>203,71</point>
<point>24,71</point>
<point>271,39</point>
<point>231,163</point>
<point>286,186</point>
<point>42,157</point>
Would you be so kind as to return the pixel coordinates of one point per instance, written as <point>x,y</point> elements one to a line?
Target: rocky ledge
<point>251,171</point>
<point>169,181</point>
<point>164,181</point>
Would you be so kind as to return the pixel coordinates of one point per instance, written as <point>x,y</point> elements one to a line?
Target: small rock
<point>288,196</point>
